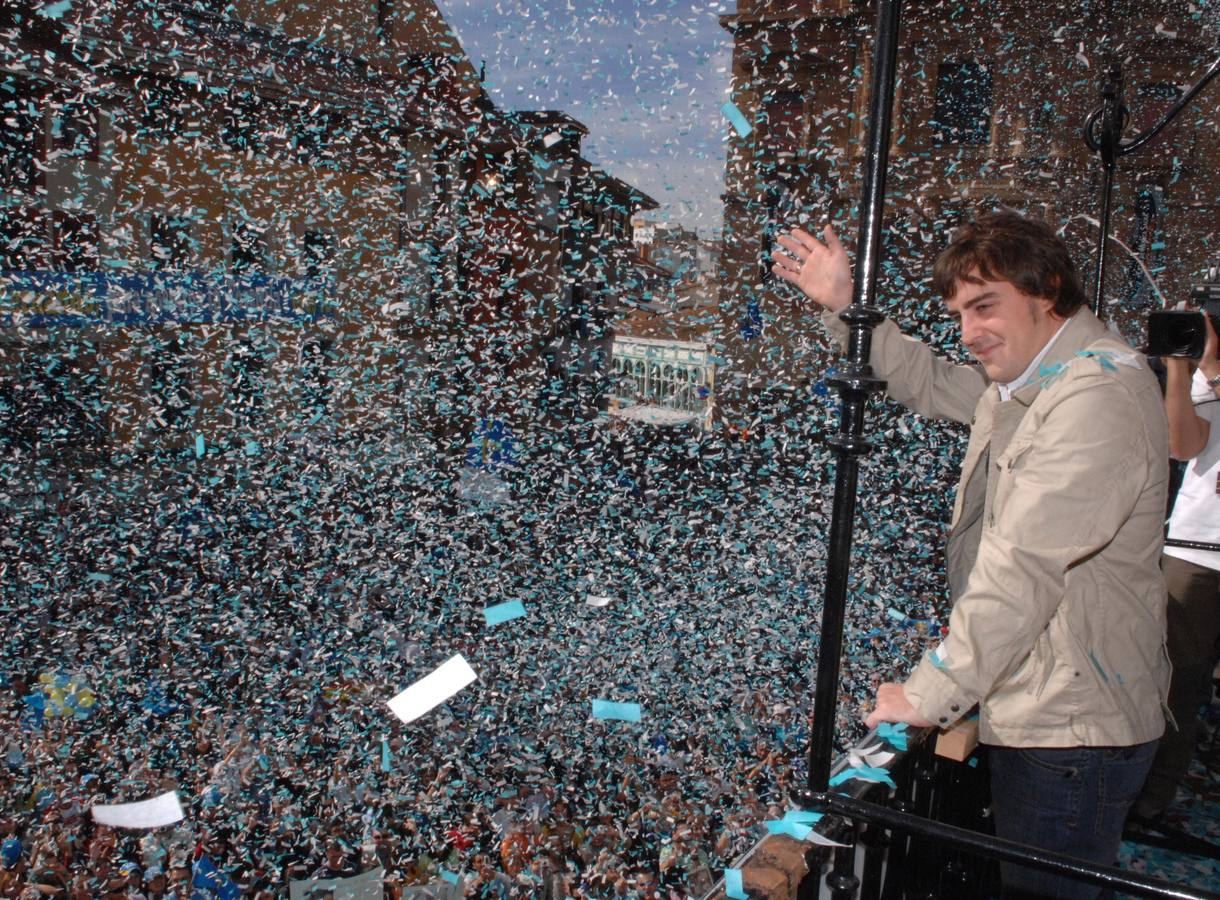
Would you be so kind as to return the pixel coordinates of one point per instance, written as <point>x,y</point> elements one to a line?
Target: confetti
<point>739,122</point>
<point>156,812</point>
<point>433,689</point>
<point>622,712</point>
<point>503,612</point>
<point>306,370</point>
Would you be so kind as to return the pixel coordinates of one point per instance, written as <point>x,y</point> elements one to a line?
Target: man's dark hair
<point>1006,246</point>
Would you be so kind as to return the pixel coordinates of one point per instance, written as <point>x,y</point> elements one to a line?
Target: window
<point>1146,240</point>
<point>165,109</point>
<point>169,382</point>
<point>169,242</point>
<point>778,208</point>
<point>248,248</point>
<point>245,384</point>
<point>963,104</point>
<point>21,134</point>
<point>74,129</point>
<point>75,244</point>
<point>317,253</point>
<point>783,121</point>
<point>24,238</point>
<point>1152,100</point>
<point>54,401</point>
<point>241,128</point>
<point>321,138</point>
<point>315,375</point>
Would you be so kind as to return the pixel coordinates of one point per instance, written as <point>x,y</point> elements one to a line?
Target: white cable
<point>1130,252</point>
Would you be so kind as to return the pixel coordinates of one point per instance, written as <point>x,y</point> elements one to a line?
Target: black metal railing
<point>927,834</point>
<point>903,829</point>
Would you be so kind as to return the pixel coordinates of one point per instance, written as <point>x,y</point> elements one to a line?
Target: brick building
<point>246,219</point>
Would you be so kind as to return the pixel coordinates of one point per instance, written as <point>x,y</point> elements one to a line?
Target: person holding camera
<point>1058,623</point>
<point>1192,404</point>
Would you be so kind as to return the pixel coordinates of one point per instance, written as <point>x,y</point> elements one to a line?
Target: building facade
<point>256,218</point>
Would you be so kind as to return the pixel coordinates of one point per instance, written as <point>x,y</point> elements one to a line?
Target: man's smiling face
<point>1003,328</point>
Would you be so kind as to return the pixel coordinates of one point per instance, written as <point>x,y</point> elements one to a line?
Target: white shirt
<point>1006,390</point>
<point>1196,512</point>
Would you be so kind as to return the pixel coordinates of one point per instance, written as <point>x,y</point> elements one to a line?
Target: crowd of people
<point>231,626</point>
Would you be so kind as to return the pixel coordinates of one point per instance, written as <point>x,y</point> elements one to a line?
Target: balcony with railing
<point>677,376</point>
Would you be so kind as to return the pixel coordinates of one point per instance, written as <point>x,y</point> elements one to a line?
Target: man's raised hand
<point>821,270</point>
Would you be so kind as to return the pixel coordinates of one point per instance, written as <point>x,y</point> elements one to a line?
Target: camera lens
<point>1182,333</point>
<point>1176,333</point>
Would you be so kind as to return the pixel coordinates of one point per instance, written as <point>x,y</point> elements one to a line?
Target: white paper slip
<point>161,810</point>
<point>814,838</point>
<point>594,600</point>
<point>433,690</point>
<point>875,756</point>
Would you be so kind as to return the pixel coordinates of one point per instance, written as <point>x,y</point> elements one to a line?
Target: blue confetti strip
<point>863,773</point>
<point>736,119</point>
<point>54,10</point>
<point>733,887</point>
<point>504,612</point>
<point>803,816</point>
<point>622,712</point>
<point>894,734</point>
<point>792,829</point>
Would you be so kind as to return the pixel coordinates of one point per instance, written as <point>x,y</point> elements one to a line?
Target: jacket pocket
<point>1002,471</point>
<point>1032,676</point>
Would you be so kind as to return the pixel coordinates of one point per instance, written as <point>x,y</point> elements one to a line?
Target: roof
<point>694,317</point>
<point>549,119</point>
<point>634,196</point>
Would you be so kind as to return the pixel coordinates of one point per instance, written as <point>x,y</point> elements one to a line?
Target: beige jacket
<point>1057,629</point>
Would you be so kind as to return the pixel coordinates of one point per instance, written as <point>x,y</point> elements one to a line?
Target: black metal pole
<point>855,383</point>
<point>1108,121</point>
<point>1010,851</point>
<point>875,842</point>
<point>1112,114</point>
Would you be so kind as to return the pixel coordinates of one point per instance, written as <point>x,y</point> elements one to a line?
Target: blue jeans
<point>1071,800</point>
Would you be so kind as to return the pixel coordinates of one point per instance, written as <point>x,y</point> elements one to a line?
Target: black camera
<point>1181,332</point>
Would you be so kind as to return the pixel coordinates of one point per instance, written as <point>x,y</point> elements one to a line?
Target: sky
<point>647,78</point>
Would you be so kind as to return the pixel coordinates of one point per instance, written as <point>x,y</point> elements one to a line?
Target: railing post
<point>876,842</point>
<point>854,383</point>
<point>842,880</point>
<point>896,859</point>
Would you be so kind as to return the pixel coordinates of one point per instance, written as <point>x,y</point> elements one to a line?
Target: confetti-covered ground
<point>1196,812</point>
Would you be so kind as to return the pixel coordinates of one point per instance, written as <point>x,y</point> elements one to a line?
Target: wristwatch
<point>1214,382</point>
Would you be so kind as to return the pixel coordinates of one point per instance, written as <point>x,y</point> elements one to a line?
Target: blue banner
<point>41,299</point>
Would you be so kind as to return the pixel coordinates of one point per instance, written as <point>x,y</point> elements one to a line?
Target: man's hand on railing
<point>893,706</point>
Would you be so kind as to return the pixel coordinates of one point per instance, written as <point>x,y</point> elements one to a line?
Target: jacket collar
<point>1080,331</point>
